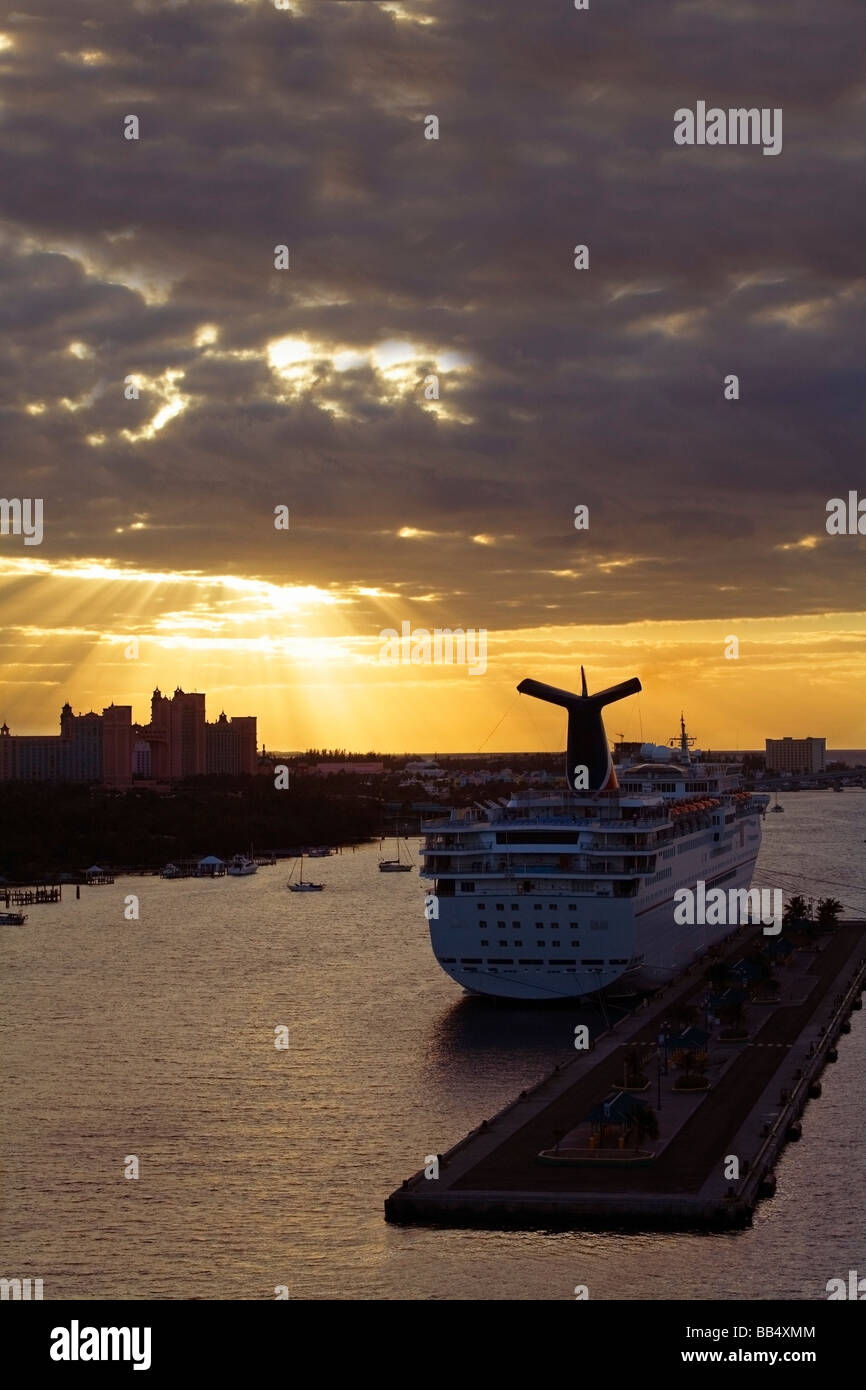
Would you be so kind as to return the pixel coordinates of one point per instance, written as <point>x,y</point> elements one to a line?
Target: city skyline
<point>111,748</point>
<point>158,700</point>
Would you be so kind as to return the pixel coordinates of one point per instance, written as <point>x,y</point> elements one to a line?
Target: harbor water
<point>262,1166</point>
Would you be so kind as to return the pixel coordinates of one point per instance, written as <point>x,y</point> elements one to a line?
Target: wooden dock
<point>27,897</point>
<point>496,1176</point>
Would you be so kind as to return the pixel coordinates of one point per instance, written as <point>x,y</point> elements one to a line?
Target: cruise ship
<point>544,897</point>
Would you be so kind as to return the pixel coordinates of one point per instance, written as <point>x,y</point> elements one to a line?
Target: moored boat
<point>240,866</point>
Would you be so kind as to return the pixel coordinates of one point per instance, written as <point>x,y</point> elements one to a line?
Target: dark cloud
<point>261,127</point>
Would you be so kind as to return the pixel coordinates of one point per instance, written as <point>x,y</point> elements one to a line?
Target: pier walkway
<point>760,1086</point>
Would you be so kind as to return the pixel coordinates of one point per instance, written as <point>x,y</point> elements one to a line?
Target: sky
<point>147,267</point>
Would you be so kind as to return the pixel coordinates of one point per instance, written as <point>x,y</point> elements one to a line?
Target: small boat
<point>395,866</point>
<point>170,871</point>
<point>303,885</point>
<point>240,866</point>
<point>12,919</point>
<point>320,852</point>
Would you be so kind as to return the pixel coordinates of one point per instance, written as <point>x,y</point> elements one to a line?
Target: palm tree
<point>718,975</point>
<point>829,910</point>
<point>733,1016</point>
<point>634,1073</point>
<point>683,1016</point>
<point>796,910</point>
<point>644,1124</point>
<point>764,982</point>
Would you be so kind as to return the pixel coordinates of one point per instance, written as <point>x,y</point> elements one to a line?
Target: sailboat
<point>303,885</point>
<point>395,866</point>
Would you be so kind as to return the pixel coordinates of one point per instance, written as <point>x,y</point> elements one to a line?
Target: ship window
<point>485,943</point>
<point>562,960</point>
<point>447,960</point>
<point>618,962</point>
<point>503,943</point>
<point>500,907</point>
<point>482,924</point>
<point>470,960</point>
<point>518,943</point>
<point>554,926</point>
<point>500,960</point>
<point>573,926</point>
<point>554,943</point>
<point>540,943</point>
<point>515,921</point>
<point>572,907</point>
<point>552,906</point>
<point>531,960</point>
<point>538,907</point>
<point>480,907</point>
<point>589,961</point>
<point>467,888</point>
<point>500,926</point>
<point>575,943</point>
<point>515,907</point>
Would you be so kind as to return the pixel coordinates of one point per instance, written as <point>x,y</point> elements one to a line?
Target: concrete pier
<point>496,1176</point>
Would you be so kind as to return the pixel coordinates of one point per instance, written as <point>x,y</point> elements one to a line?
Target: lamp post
<point>659,1068</point>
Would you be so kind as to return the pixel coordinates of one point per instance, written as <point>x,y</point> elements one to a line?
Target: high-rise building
<point>108,748</point>
<point>89,748</point>
<point>231,745</point>
<point>117,745</point>
<point>176,734</point>
<point>796,755</point>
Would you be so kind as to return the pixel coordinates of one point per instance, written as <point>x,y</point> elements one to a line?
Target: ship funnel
<point>587,740</point>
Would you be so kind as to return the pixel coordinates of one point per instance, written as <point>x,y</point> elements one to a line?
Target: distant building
<point>796,755</point>
<point>117,745</point>
<point>231,745</point>
<point>141,767</point>
<point>362,769</point>
<point>89,748</point>
<point>109,749</point>
<point>176,734</point>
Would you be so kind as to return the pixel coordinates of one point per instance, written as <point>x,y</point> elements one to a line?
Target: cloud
<point>154,259</point>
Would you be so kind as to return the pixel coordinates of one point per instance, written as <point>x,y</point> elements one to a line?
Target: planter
<point>598,1158</point>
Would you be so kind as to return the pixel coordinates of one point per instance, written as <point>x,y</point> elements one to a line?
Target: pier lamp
<point>659,1070</point>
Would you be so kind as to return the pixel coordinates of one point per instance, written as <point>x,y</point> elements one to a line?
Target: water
<point>261,1167</point>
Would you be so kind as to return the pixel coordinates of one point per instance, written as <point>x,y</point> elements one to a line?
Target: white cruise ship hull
<point>515,938</point>
<point>628,940</point>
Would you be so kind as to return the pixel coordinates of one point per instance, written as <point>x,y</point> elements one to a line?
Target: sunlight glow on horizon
<point>306,661</point>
